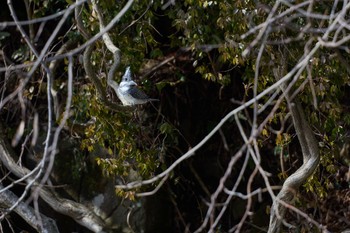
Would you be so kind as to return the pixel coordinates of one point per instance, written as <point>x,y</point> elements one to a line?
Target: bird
<point>128,92</point>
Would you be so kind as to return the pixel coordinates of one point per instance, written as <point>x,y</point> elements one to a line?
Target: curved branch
<point>311,159</point>
<point>90,72</point>
<point>310,152</point>
<point>111,47</point>
<point>87,60</point>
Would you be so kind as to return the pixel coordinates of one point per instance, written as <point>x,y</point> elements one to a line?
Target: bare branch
<point>310,153</point>
<point>77,211</point>
<point>41,55</point>
<point>33,21</point>
<point>8,199</point>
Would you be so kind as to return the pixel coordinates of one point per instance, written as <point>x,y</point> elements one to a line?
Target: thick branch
<point>27,213</point>
<point>310,151</point>
<point>80,213</point>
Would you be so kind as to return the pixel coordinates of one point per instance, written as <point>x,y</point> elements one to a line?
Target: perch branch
<point>111,47</point>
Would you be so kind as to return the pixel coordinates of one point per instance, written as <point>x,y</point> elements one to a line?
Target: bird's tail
<point>153,100</point>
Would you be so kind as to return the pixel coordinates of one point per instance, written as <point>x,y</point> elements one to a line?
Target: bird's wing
<point>137,94</point>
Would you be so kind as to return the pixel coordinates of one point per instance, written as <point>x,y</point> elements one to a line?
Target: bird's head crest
<point>127,75</point>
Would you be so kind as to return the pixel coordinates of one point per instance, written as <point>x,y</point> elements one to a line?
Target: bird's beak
<point>133,83</point>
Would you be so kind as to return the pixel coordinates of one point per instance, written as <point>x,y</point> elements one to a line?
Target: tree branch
<point>89,49</point>
<point>27,213</point>
<point>110,45</point>
<point>77,211</point>
<point>310,152</point>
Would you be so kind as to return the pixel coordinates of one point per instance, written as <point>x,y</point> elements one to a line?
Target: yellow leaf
<point>264,132</point>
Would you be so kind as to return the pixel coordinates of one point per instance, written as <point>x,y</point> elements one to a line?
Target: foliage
<point>123,136</point>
